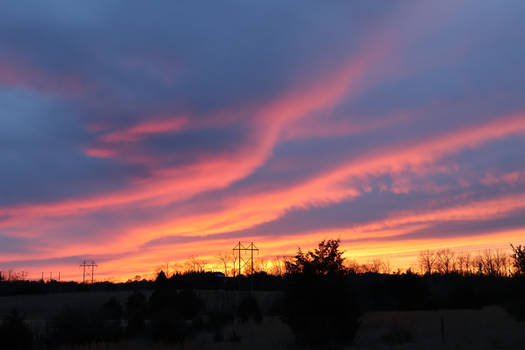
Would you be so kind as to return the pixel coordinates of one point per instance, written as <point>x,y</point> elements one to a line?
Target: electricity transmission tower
<point>243,256</point>
<point>89,264</point>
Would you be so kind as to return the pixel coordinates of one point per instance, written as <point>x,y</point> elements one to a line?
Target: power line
<point>240,259</point>
<point>89,264</point>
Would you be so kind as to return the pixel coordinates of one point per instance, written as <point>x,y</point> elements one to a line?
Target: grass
<point>487,328</point>
<point>270,334</point>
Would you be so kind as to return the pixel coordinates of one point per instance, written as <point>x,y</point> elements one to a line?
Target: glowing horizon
<point>175,131</point>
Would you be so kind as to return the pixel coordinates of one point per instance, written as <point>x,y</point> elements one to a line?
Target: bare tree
<point>502,262</point>
<point>276,269</point>
<point>354,267</point>
<point>278,265</point>
<point>478,265</point>
<point>494,263</point>
<point>427,261</point>
<point>196,264</point>
<point>463,263</point>
<point>167,271</point>
<point>377,265</point>
<point>386,268</point>
<point>180,267</point>
<point>445,261</point>
<point>15,276</point>
<point>488,263</point>
<point>226,258</point>
<point>260,265</point>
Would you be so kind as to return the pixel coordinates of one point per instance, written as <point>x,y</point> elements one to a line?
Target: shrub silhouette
<point>249,309</point>
<point>170,310</point>
<point>110,310</point>
<point>108,320</point>
<point>189,304</point>
<point>15,333</point>
<point>169,326</point>
<point>167,323</point>
<point>319,307</point>
<point>73,327</point>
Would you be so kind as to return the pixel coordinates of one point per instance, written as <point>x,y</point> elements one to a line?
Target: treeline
<point>444,265</point>
<point>186,280</point>
<point>489,262</point>
<point>21,287</point>
<point>319,297</point>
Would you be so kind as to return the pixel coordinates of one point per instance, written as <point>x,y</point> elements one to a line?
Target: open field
<point>42,306</point>
<point>487,328</point>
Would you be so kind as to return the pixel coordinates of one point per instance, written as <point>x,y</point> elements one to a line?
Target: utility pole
<point>88,264</point>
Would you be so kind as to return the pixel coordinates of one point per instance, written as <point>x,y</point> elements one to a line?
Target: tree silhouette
<point>518,257</point>
<point>161,280</point>
<point>444,261</point>
<point>108,320</point>
<point>324,260</point>
<point>226,258</point>
<point>319,307</point>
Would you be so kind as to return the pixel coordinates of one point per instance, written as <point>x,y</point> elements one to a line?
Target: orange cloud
<point>141,130</point>
<point>247,211</point>
<point>180,183</point>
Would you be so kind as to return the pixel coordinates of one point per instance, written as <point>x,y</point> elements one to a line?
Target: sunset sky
<point>137,133</point>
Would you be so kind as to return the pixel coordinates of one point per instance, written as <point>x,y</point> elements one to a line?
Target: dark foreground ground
<point>489,327</point>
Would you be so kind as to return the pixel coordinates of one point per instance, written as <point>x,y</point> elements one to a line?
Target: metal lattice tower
<point>89,264</point>
<point>244,256</point>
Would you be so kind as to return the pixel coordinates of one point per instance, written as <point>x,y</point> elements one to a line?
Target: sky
<point>138,134</point>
